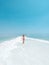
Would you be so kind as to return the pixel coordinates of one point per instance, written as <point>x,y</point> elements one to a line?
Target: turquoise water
<point>2,39</point>
<point>32,36</point>
<point>38,36</point>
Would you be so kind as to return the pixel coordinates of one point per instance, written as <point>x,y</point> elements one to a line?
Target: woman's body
<point>23,39</point>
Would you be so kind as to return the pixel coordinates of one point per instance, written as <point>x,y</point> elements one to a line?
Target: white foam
<point>13,52</point>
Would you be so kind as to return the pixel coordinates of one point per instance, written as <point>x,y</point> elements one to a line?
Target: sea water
<point>2,39</point>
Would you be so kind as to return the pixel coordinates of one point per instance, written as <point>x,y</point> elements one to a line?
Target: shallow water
<point>32,36</point>
<point>5,38</point>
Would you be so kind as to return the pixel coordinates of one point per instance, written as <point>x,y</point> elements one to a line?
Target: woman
<point>23,39</point>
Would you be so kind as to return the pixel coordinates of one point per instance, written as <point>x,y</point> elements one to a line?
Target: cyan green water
<point>2,39</point>
<point>40,36</point>
<point>32,36</point>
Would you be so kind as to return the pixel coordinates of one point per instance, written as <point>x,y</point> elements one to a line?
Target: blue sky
<point>24,17</point>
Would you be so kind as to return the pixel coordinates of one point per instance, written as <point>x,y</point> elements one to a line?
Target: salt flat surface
<point>33,52</point>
